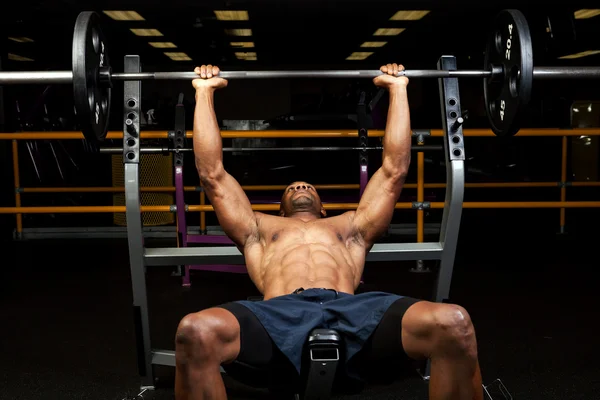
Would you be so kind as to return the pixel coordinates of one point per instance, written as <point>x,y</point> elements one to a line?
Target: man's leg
<point>229,335</point>
<point>416,329</point>
<point>203,341</point>
<point>445,334</point>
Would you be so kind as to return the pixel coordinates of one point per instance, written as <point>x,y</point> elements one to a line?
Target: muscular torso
<point>290,253</point>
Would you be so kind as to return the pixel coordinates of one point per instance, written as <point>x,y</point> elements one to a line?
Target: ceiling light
<point>178,56</point>
<point>581,54</point>
<point>15,57</point>
<point>248,56</point>
<point>238,32</point>
<point>412,15</point>
<point>586,13</point>
<point>242,44</point>
<point>388,31</point>
<point>373,44</point>
<point>232,15</point>
<point>124,15</point>
<point>21,39</point>
<point>146,32</point>
<point>162,45</point>
<point>359,55</point>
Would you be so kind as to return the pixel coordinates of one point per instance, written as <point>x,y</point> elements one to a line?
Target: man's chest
<point>330,231</point>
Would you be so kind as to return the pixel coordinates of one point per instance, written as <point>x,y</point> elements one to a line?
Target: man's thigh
<point>383,356</point>
<point>259,358</point>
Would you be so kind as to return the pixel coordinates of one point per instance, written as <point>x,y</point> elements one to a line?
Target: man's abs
<point>307,266</point>
<point>292,254</point>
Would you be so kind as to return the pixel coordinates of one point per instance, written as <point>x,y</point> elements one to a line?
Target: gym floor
<point>67,330</point>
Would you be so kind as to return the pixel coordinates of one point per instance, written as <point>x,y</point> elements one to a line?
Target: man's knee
<point>209,334</point>
<point>453,330</point>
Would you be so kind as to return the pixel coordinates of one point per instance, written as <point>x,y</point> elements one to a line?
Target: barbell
<point>507,75</point>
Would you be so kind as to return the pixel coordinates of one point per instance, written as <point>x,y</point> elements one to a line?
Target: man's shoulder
<point>350,214</point>
<point>263,216</point>
<point>346,218</point>
<point>267,221</point>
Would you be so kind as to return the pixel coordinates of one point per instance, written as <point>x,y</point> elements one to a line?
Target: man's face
<point>301,197</point>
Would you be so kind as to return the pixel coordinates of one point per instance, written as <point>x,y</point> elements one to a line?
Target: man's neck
<point>304,216</point>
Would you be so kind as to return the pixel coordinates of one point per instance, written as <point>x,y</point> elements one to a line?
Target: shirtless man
<point>308,267</point>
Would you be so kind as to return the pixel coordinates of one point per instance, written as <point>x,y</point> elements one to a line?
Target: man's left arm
<point>376,207</point>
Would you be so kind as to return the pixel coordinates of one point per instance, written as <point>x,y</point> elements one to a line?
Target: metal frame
<point>135,238</point>
<point>452,121</point>
<point>443,250</point>
<point>455,176</point>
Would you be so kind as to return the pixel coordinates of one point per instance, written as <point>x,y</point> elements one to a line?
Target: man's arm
<point>376,207</point>
<point>229,200</point>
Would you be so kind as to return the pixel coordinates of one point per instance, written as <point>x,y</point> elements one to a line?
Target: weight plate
<point>507,94</point>
<point>91,95</point>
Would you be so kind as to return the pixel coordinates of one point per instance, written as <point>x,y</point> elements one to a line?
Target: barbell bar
<point>66,77</point>
<point>507,75</point>
<point>36,77</point>
<point>538,72</point>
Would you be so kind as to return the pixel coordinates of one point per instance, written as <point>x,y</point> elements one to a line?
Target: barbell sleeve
<point>35,77</point>
<point>566,72</point>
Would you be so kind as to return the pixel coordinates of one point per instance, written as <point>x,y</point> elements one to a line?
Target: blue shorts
<point>289,319</point>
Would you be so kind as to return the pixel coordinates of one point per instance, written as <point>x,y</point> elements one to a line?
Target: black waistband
<point>300,290</point>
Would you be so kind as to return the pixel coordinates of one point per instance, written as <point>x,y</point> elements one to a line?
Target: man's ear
<point>323,212</point>
<point>281,212</point>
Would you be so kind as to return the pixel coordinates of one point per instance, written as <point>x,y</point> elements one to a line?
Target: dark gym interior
<point>523,273</point>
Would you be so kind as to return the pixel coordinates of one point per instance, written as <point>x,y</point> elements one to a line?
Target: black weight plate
<point>91,96</point>
<point>507,95</point>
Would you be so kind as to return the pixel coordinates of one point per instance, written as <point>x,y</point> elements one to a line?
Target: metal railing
<point>203,208</point>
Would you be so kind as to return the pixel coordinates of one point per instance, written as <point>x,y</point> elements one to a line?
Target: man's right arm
<point>229,200</point>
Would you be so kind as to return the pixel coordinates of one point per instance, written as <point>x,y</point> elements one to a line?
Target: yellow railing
<point>420,185</point>
<point>298,134</point>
